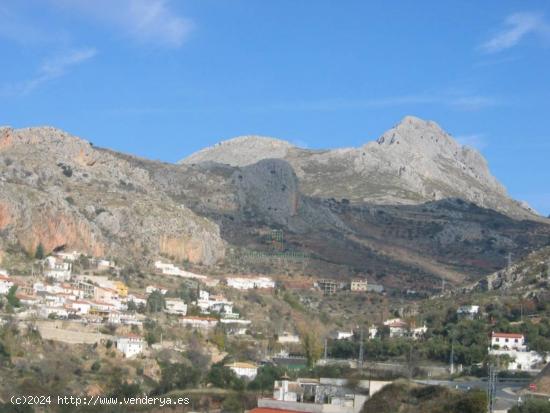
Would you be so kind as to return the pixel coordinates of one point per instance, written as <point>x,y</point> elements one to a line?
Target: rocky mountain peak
<point>241,151</point>
<point>413,132</point>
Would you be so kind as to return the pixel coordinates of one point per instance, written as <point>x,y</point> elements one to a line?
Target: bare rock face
<point>60,191</point>
<point>414,162</point>
<point>269,188</point>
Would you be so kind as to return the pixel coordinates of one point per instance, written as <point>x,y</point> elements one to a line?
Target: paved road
<point>505,390</point>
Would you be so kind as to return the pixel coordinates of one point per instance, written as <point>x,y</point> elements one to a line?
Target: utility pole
<point>452,359</point>
<point>411,367</point>
<point>521,306</point>
<point>491,388</point>
<point>361,350</point>
<point>326,349</point>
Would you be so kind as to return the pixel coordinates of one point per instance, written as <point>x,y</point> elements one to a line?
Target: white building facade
<point>130,346</point>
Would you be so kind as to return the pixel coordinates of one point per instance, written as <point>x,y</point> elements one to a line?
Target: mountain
<point>62,192</point>
<point>414,162</point>
<point>242,151</point>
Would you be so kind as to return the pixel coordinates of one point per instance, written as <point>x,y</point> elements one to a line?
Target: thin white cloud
<point>475,140</point>
<point>148,21</point>
<point>50,69</point>
<point>518,26</point>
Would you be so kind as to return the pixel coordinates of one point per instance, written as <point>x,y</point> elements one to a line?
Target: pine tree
<point>39,254</point>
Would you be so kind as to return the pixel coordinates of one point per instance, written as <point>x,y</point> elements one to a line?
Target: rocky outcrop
<point>270,188</point>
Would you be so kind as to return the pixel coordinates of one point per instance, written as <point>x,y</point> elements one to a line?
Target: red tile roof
<point>507,335</point>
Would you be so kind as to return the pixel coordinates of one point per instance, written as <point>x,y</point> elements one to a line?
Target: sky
<point>162,79</point>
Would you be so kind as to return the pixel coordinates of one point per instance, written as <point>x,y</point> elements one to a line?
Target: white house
<point>287,338</point>
<point>227,312</point>
<point>235,322</point>
<point>373,331</point>
<point>101,307</point>
<point>343,335</point>
<point>246,370</point>
<point>171,269</point>
<point>130,346</point>
<point>218,303</point>
<point>398,328</point>
<point>199,322</point>
<point>137,299</point>
<point>59,312</point>
<point>56,300</point>
<point>152,288</point>
<point>68,256</point>
<point>359,285</point>
<point>418,332</point>
<point>57,268</point>
<point>102,264</point>
<point>5,284</point>
<point>47,288</point>
<point>247,283</point>
<point>468,311</point>
<point>81,307</point>
<point>176,306</point>
<point>508,341</point>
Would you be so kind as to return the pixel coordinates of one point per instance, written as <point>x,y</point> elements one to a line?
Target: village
<point>95,306</point>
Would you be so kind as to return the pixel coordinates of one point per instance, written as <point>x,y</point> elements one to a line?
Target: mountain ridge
<point>413,162</point>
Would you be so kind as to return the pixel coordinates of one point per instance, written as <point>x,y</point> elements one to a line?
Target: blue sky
<point>162,79</point>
